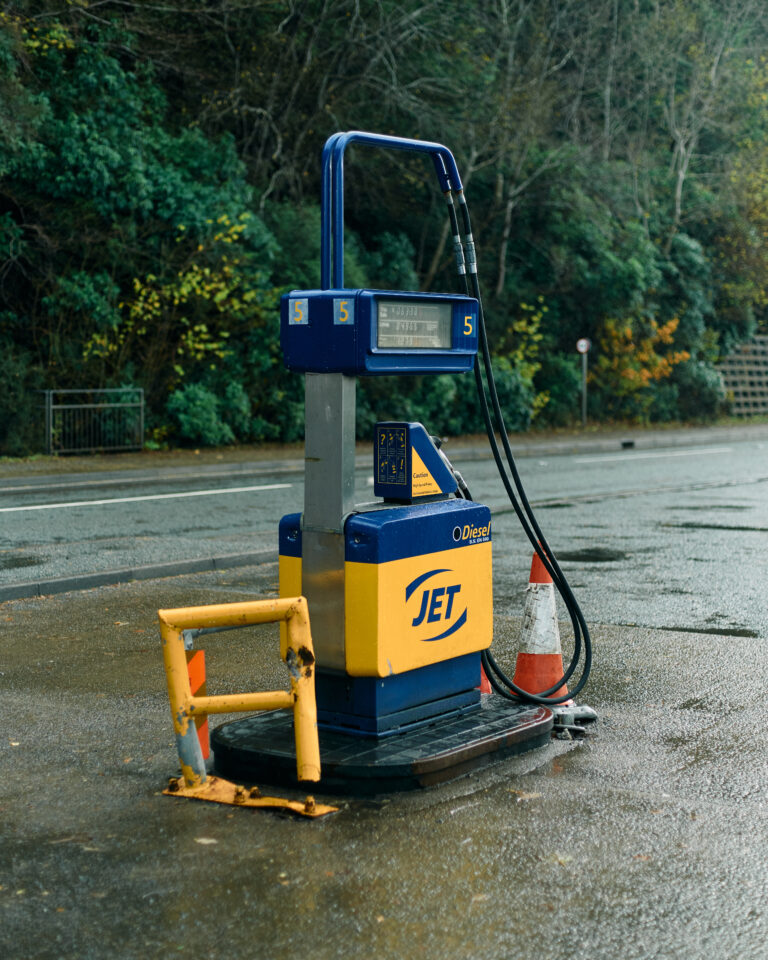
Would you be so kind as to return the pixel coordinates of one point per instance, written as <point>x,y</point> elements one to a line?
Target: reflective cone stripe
<point>536,672</point>
<point>540,659</point>
<point>196,671</point>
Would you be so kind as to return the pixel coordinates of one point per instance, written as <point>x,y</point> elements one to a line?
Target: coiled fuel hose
<point>466,260</point>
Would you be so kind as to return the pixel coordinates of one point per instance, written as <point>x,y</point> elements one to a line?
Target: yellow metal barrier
<point>300,660</point>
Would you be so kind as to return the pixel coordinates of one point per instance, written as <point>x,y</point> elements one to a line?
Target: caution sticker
<point>422,482</point>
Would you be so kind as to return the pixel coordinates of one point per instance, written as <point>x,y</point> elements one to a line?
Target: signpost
<point>583,345</point>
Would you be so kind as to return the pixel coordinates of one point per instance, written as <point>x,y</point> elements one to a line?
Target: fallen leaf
<point>641,856</point>
<point>522,795</point>
<point>205,840</point>
<point>562,859</point>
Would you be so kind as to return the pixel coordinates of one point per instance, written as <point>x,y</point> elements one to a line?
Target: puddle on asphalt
<point>593,555</point>
<point>16,562</point>
<point>711,507</point>
<point>715,631</point>
<point>705,704</point>
<point>714,526</point>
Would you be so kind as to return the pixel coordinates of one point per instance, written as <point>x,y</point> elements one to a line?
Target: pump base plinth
<point>260,749</point>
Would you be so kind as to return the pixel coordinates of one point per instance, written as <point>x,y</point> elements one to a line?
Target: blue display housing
<point>337,331</point>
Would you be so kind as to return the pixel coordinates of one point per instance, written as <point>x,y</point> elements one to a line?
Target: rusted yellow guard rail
<point>297,653</point>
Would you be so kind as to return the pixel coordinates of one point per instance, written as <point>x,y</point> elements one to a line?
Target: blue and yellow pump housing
<point>417,591</point>
<point>416,565</point>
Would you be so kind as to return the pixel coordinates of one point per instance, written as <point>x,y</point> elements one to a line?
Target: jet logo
<point>436,604</point>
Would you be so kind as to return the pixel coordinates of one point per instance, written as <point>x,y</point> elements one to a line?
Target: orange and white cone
<point>540,658</point>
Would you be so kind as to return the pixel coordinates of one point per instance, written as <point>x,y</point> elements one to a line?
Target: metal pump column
<point>329,491</point>
<point>329,474</point>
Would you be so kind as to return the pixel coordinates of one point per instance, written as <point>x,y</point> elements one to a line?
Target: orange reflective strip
<point>196,671</point>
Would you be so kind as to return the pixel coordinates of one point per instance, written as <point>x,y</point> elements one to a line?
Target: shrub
<point>21,426</point>
<point>195,412</point>
<point>701,394</point>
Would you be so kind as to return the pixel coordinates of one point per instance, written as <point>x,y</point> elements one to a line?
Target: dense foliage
<point>159,191</point>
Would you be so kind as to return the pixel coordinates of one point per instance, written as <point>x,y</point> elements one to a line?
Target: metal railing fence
<point>745,375</point>
<point>86,421</point>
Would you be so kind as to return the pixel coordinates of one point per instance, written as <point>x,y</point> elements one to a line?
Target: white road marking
<point>155,496</point>
<point>632,455</point>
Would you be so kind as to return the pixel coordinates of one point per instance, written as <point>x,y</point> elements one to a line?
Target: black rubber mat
<point>260,749</point>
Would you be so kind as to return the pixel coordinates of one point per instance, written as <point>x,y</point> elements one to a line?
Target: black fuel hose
<point>501,683</point>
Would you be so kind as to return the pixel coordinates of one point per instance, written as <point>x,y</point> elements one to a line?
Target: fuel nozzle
<point>438,443</point>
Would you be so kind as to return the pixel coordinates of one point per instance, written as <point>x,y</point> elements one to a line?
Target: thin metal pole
<point>48,423</point>
<point>584,389</point>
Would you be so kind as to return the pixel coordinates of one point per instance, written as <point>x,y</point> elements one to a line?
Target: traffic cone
<point>540,658</point>
<point>485,683</point>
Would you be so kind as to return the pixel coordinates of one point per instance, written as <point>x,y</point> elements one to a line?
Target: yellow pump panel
<point>381,635</point>
<point>447,614</point>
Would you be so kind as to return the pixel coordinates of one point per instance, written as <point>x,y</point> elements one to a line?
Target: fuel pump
<point>400,588</point>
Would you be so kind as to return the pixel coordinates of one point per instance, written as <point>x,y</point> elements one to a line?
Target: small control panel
<point>391,457</point>
<point>407,465</point>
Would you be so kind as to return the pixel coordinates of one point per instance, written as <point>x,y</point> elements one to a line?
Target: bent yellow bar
<point>238,702</point>
<point>299,657</point>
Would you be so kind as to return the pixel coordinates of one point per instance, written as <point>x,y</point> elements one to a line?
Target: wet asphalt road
<point>641,532</point>
<point>646,840</point>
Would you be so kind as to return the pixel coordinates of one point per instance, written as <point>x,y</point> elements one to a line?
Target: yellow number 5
<point>468,328</point>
